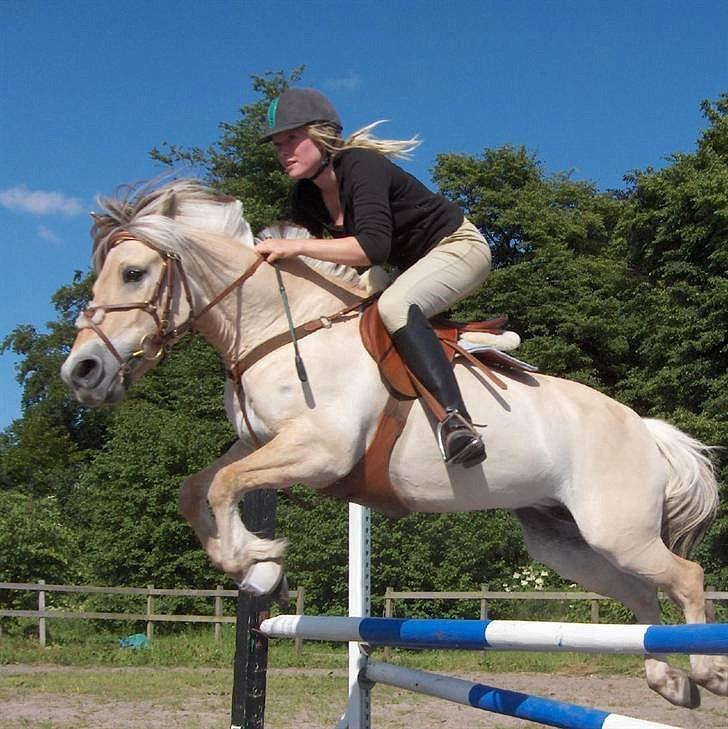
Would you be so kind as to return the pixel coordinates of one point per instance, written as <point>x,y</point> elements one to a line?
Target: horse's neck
<point>254,313</point>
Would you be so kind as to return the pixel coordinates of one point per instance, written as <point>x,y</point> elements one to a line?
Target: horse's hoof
<point>686,694</point>
<point>262,578</point>
<point>672,683</point>
<point>711,673</point>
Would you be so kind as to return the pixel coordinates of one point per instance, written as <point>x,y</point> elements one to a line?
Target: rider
<point>375,212</point>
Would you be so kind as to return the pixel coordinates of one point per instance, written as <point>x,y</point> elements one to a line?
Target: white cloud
<point>48,234</point>
<point>351,81</point>
<point>39,202</point>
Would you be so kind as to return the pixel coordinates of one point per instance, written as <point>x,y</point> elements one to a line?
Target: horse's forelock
<point>156,212</point>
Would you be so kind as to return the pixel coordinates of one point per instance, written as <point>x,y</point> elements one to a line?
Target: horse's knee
<point>224,492</point>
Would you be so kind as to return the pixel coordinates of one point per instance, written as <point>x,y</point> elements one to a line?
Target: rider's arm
<point>345,250</point>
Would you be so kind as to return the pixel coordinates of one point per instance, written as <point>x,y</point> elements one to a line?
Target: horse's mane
<point>286,230</point>
<point>169,215</point>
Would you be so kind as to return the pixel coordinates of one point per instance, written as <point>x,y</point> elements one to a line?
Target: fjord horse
<point>606,498</point>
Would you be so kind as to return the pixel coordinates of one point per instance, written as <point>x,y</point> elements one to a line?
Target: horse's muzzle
<point>93,377</point>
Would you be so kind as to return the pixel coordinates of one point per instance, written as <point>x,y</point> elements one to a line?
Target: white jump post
<point>358,711</point>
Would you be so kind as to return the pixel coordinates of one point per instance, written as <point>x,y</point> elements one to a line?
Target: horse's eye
<point>133,275</point>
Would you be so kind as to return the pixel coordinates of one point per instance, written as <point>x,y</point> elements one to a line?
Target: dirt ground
<point>391,708</point>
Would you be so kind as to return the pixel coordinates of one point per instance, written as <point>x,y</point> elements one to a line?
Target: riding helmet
<point>297,107</point>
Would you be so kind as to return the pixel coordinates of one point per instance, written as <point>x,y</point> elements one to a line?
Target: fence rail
<point>218,618</point>
<point>43,612</point>
<point>485,595</point>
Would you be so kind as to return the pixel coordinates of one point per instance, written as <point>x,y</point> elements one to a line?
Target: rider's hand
<point>273,249</point>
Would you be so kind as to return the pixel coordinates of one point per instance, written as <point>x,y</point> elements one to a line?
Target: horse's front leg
<point>292,456</point>
<point>192,501</point>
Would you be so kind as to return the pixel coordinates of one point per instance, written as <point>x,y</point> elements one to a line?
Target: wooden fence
<point>484,596</point>
<point>218,617</point>
<point>46,612</point>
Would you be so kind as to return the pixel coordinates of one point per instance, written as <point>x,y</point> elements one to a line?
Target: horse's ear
<point>169,204</point>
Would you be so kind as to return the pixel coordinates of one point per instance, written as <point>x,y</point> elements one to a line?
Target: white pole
<point>358,711</point>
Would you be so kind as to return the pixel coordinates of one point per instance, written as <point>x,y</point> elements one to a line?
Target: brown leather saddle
<point>369,482</point>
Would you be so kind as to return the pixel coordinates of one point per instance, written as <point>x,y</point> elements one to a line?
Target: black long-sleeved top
<point>394,217</point>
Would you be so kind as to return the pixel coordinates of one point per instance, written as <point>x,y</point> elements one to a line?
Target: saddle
<point>378,343</point>
<point>369,482</point>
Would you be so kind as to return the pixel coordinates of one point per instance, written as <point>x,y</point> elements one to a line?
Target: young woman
<point>375,212</point>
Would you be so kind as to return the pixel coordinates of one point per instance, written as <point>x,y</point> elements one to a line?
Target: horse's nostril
<point>88,372</point>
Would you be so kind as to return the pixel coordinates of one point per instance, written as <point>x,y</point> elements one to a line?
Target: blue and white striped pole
<point>505,635</point>
<point>500,701</point>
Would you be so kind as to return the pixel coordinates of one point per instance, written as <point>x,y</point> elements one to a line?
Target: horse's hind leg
<point>555,540</point>
<point>711,672</point>
<point>647,557</point>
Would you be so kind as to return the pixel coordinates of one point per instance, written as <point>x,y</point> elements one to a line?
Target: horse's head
<point>142,298</point>
<point>140,305</point>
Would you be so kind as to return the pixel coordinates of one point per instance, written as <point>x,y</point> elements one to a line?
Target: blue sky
<point>88,88</point>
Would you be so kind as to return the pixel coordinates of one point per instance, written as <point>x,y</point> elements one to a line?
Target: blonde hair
<point>327,136</point>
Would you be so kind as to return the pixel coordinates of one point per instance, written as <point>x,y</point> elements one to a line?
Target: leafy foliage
<point>35,544</point>
<point>171,426</point>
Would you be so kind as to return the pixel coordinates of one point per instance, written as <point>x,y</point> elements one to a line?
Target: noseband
<point>158,306</point>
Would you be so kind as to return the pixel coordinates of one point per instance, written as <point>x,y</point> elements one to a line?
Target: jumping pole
<point>251,649</point>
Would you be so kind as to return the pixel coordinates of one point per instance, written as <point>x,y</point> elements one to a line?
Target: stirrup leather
<point>455,421</point>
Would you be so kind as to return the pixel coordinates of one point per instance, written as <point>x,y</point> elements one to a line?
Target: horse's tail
<point>691,492</point>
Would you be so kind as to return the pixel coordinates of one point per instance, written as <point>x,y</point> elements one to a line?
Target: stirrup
<point>472,452</point>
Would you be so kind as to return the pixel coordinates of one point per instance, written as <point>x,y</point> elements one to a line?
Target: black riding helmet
<point>297,107</point>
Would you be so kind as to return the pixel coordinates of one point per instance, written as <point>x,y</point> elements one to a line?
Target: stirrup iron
<point>471,453</point>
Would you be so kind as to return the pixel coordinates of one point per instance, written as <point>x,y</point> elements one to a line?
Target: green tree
<point>560,275</point>
<point>35,543</point>
<point>676,227</point>
<point>42,452</point>
<point>623,291</point>
<point>505,193</point>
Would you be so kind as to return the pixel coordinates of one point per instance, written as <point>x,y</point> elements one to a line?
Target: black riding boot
<point>422,351</point>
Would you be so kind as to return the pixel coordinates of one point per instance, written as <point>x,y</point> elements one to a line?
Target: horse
<point>606,498</point>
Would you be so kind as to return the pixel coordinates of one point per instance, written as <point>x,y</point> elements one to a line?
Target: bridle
<point>158,306</point>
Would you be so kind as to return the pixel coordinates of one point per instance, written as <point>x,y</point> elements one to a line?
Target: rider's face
<point>297,153</point>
